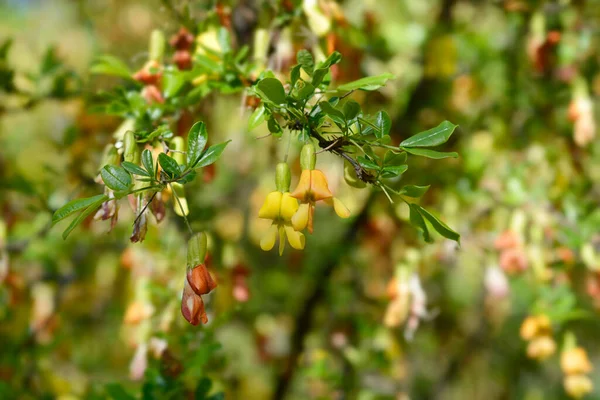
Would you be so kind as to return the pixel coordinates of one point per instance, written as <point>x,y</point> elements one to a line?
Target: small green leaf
<point>196,142</point>
<point>306,61</point>
<point>224,40</point>
<point>305,91</point>
<point>169,165</point>
<point>257,117</point>
<point>211,154</point>
<point>432,137</point>
<point>439,226</point>
<point>369,83</point>
<point>383,124</point>
<point>115,178</point>
<point>393,158</point>
<point>84,214</point>
<point>318,76</point>
<point>395,170</point>
<point>295,75</point>
<point>134,169</point>
<point>274,127</point>
<point>436,155</point>
<point>188,177</point>
<point>333,59</point>
<point>366,163</point>
<point>172,82</point>
<point>414,191</point>
<point>109,65</point>
<point>417,220</point>
<point>148,162</point>
<point>351,109</point>
<point>270,89</point>
<point>336,115</point>
<point>74,206</point>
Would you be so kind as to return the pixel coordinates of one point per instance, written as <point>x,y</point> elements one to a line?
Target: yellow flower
<point>311,188</point>
<point>578,386</point>
<point>541,348</point>
<point>575,361</point>
<point>280,207</point>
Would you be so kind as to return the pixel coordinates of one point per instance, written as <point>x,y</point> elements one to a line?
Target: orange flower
<point>198,281</point>
<point>192,306</point>
<point>311,188</point>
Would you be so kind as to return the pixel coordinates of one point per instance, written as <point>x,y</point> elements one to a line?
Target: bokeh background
<point>96,316</point>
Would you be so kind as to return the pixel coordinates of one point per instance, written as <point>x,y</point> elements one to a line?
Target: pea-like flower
<point>198,281</point>
<point>311,188</point>
<point>280,207</point>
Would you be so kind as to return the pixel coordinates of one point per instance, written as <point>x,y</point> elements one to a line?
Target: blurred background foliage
<point>95,316</point>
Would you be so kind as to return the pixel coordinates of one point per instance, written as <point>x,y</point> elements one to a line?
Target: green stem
<point>187,222</point>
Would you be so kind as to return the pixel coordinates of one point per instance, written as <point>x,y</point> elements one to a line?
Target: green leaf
<point>256,118</point>
<point>414,191</point>
<point>366,163</point>
<point>109,65</point>
<point>224,40</point>
<point>336,115</point>
<point>148,162</point>
<point>84,214</point>
<point>74,206</point>
<point>393,158</point>
<point>211,154</point>
<point>172,80</point>
<point>333,58</point>
<point>436,155</point>
<point>395,170</point>
<point>188,177</point>
<point>306,61</point>
<point>270,89</point>
<point>169,165</point>
<point>417,220</point>
<point>369,83</point>
<point>115,178</point>
<point>351,109</point>
<point>203,388</point>
<point>295,75</point>
<point>305,91</point>
<point>432,137</point>
<point>134,169</point>
<point>196,142</point>
<point>274,127</point>
<point>439,226</point>
<point>383,124</point>
<point>318,76</point>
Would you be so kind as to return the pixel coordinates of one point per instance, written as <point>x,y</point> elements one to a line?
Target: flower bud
<point>157,45</point>
<point>283,177</point>
<point>308,158</point>
<point>131,151</point>
<point>196,251</point>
